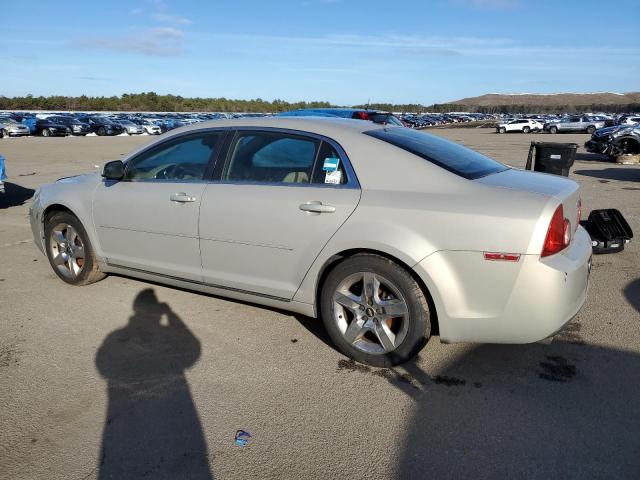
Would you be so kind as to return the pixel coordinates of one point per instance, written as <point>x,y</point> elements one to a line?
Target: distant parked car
<point>11,128</point>
<point>129,127</point>
<point>521,125</point>
<point>630,120</point>
<point>376,116</point>
<point>104,126</point>
<point>77,127</point>
<point>50,128</point>
<point>3,174</point>
<point>151,128</point>
<point>614,141</point>
<point>575,124</point>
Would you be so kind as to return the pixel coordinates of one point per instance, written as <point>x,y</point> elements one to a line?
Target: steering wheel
<point>178,171</point>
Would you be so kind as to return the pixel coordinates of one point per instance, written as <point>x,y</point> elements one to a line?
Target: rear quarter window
<point>449,155</point>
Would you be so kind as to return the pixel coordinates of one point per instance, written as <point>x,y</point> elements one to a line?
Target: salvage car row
<point>80,124</point>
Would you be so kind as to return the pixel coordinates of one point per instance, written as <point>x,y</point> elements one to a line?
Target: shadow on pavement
<point>14,195</point>
<point>563,410</point>
<point>632,293</point>
<point>592,157</point>
<point>152,428</point>
<point>624,174</point>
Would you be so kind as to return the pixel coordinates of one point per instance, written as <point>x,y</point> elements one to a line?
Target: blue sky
<point>343,51</point>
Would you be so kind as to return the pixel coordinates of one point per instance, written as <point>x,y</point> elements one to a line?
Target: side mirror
<point>113,170</point>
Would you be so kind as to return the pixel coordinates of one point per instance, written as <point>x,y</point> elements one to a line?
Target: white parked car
<point>631,120</point>
<point>151,128</point>
<point>520,125</point>
<point>385,233</point>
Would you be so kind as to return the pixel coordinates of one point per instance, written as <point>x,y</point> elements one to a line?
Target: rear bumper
<point>507,302</point>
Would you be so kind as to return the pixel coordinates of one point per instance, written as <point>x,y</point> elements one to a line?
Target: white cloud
<point>172,19</point>
<point>160,41</point>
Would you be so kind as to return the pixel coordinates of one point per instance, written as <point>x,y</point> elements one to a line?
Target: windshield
<point>446,154</point>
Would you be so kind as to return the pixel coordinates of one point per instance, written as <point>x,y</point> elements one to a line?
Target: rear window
<point>449,155</point>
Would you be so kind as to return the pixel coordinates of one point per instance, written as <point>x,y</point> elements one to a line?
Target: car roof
<point>331,127</point>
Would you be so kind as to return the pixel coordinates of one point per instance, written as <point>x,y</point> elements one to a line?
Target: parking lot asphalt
<point>77,403</point>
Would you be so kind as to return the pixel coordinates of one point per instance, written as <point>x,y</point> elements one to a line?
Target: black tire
<point>591,129</point>
<point>418,330</point>
<point>46,132</point>
<point>102,131</point>
<point>4,133</point>
<point>502,130</point>
<point>553,129</point>
<point>89,271</point>
<point>526,129</point>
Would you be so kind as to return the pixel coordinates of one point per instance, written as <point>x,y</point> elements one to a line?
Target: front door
<point>280,199</point>
<point>149,220</point>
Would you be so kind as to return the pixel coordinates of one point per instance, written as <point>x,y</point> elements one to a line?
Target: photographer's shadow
<point>152,428</point>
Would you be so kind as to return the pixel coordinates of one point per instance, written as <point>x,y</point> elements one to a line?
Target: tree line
<point>152,102</point>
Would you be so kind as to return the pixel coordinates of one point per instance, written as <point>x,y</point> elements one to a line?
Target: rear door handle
<point>182,197</point>
<point>317,207</point>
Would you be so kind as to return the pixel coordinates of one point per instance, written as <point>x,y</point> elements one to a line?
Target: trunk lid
<point>562,189</point>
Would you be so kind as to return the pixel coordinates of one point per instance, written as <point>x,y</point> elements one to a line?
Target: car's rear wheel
<point>553,129</point>
<point>102,131</point>
<point>69,250</point>
<point>591,129</point>
<point>46,132</point>
<point>4,133</point>
<point>374,311</point>
<point>526,130</point>
<point>502,130</point>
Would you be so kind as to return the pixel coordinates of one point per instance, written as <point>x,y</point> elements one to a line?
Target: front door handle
<point>317,207</point>
<point>182,197</point>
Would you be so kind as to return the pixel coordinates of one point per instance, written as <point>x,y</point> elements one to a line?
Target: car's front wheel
<point>591,129</point>
<point>46,132</point>
<point>69,250</point>
<point>502,130</point>
<point>553,129</point>
<point>374,311</point>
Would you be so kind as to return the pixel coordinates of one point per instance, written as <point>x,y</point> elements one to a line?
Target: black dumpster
<point>556,158</point>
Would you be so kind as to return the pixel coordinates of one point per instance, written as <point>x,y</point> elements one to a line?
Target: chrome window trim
<point>352,179</point>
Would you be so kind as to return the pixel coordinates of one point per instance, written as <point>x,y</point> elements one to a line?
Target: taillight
<point>362,115</point>
<point>558,235</point>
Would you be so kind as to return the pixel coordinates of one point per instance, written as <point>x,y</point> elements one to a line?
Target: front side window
<point>183,159</point>
<point>271,158</point>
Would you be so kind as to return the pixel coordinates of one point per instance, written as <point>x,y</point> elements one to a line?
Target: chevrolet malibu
<point>386,234</point>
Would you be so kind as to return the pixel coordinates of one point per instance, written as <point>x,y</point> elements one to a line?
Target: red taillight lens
<point>362,115</point>
<point>558,235</point>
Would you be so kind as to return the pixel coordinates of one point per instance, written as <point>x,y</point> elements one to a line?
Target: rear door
<point>280,197</point>
<point>149,220</point>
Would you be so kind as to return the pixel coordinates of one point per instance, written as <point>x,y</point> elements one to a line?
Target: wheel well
<point>55,208</point>
<point>340,257</point>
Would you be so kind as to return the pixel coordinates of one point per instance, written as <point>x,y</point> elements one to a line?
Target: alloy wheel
<point>67,250</point>
<point>371,313</point>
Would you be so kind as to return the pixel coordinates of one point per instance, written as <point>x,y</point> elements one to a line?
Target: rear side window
<point>446,154</point>
<point>271,158</point>
<point>329,169</point>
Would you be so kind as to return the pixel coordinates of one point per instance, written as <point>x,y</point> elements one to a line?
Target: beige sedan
<point>386,234</point>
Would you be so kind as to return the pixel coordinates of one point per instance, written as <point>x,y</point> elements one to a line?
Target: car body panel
<point>156,234</point>
<point>270,254</point>
<point>432,221</point>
